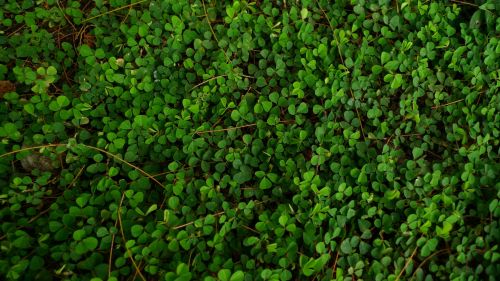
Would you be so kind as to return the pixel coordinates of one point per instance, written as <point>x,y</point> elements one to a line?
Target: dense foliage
<point>266,140</point>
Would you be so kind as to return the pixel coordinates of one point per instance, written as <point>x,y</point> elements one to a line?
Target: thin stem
<point>206,81</point>
<point>15,31</point>
<point>342,60</point>
<point>249,228</point>
<point>113,240</point>
<point>191,222</point>
<point>407,263</point>
<point>125,240</point>
<point>446,104</point>
<point>77,176</point>
<point>111,256</point>
<point>238,127</point>
<point>213,32</point>
<point>465,3</point>
<point>119,159</point>
<point>226,129</point>
<point>427,259</point>
<point>126,163</point>
<point>335,263</point>
<point>64,15</point>
<point>32,148</point>
<point>114,10</point>
<point>30,221</point>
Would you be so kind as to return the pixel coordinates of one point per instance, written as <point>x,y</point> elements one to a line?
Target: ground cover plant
<point>260,140</point>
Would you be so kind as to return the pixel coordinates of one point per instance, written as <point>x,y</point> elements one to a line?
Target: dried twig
<point>64,15</point>
<point>130,255</point>
<point>446,104</point>
<point>465,3</point>
<point>427,259</point>
<point>113,240</point>
<point>114,10</point>
<point>238,127</point>
<point>407,263</point>
<point>206,81</point>
<point>213,32</point>
<point>191,222</point>
<point>335,263</point>
<point>342,60</point>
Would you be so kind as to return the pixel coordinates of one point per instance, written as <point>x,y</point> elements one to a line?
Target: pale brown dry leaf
<point>6,87</point>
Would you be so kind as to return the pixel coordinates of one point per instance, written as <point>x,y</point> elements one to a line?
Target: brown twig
<point>342,60</point>
<point>213,32</point>
<point>140,268</point>
<point>130,255</point>
<point>126,163</point>
<point>226,129</point>
<point>402,136</point>
<point>249,228</point>
<point>427,259</point>
<point>77,176</point>
<point>39,215</point>
<point>191,222</point>
<point>15,31</point>
<point>64,15</point>
<point>31,148</point>
<point>407,263</point>
<point>114,10</point>
<point>113,240</point>
<point>465,3</point>
<point>446,104</point>
<point>335,263</point>
<point>238,127</point>
<point>30,221</point>
<point>206,81</point>
<point>111,256</point>
<point>119,159</point>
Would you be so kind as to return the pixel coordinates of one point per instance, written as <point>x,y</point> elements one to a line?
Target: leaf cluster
<point>249,140</point>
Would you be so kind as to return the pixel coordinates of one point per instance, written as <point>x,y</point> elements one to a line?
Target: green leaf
<point>63,101</point>
<point>136,230</point>
<point>224,274</point>
<point>243,176</point>
<point>90,243</point>
<point>377,69</point>
<point>304,13</point>
<point>82,200</point>
<point>283,219</point>
<point>397,81</point>
<point>85,51</point>
<point>119,143</point>
<point>23,242</point>
<point>151,209</point>
<point>265,183</point>
<point>178,24</point>
<point>345,247</point>
<point>493,205</point>
<point>429,247</point>
<point>113,171</point>
<point>30,108</point>
<point>51,71</point>
<point>250,241</point>
<point>235,115</point>
<point>308,268</point>
<point>385,57</point>
<point>237,276</point>
<point>102,231</point>
<point>267,105</point>
<point>417,152</point>
<point>230,11</point>
<point>392,65</point>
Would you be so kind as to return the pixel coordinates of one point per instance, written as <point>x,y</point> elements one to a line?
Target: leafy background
<point>234,140</point>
